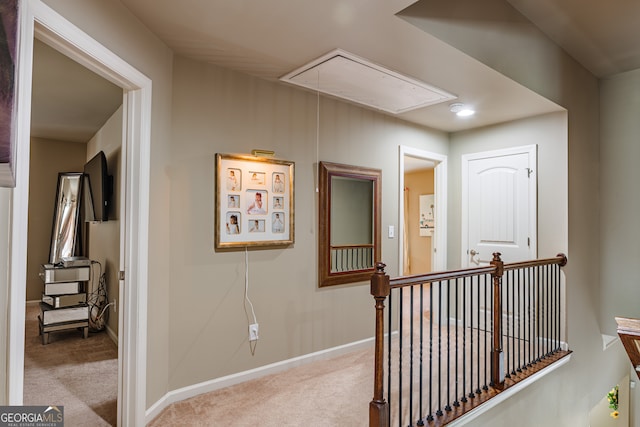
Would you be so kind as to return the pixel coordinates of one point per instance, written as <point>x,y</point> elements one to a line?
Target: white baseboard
<point>240,377</point>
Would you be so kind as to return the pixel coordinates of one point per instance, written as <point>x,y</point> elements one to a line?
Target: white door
<point>499,205</point>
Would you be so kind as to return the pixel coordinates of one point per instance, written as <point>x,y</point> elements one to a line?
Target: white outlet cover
<point>253,332</point>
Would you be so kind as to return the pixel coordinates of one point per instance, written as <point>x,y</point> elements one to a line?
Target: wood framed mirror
<point>349,223</point>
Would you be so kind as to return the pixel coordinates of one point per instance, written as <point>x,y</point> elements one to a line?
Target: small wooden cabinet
<point>64,299</point>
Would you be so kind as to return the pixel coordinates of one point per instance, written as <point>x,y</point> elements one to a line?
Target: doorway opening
<point>423,211</point>
<point>38,19</point>
<point>75,114</point>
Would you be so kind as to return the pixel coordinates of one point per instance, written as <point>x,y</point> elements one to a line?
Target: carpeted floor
<point>79,374</point>
<point>329,393</point>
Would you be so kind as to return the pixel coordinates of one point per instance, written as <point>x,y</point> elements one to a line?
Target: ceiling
<point>269,39</point>
<point>69,102</point>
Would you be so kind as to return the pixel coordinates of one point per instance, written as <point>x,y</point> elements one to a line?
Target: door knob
<point>472,252</point>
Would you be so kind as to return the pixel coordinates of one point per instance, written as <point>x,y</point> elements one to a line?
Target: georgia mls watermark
<point>31,416</point>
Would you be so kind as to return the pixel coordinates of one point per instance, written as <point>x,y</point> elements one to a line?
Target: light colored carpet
<point>79,374</point>
<point>328,393</point>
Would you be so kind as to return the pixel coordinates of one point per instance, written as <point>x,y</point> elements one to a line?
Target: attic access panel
<point>349,77</point>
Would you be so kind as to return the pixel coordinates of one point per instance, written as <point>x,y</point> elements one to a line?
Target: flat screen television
<point>98,188</point>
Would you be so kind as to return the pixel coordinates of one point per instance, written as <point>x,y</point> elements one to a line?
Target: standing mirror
<point>66,231</point>
<point>349,239</point>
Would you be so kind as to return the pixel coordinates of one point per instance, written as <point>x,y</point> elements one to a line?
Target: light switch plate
<point>392,232</point>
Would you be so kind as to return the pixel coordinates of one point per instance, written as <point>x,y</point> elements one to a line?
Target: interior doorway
<point>423,206</point>
<point>75,115</point>
<point>37,18</point>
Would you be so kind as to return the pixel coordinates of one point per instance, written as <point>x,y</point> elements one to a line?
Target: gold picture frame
<point>254,202</point>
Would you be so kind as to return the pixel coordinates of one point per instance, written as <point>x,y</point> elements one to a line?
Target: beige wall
<point>420,247</point>
<point>112,25</point>
<point>600,415</point>
<point>220,111</point>
<point>48,158</point>
<point>620,198</point>
<point>197,327</point>
<point>525,55</point>
<point>104,237</point>
<point>619,203</point>
<point>549,133</point>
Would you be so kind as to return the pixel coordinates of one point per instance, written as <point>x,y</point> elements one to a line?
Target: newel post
<point>379,408</point>
<point>497,359</point>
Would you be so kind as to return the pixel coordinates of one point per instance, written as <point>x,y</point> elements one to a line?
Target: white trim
<point>240,377</point>
<point>608,341</point>
<point>440,178</point>
<point>38,18</point>
<point>503,396</point>
<point>17,274</point>
<point>532,151</point>
<point>5,262</point>
<point>133,298</point>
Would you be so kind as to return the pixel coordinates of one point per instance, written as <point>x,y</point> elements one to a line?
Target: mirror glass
<point>65,233</point>
<point>349,239</point>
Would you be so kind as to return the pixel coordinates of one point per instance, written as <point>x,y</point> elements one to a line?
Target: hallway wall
<point>104,237</point>
<point>113,25</point>
<point>620,203</point>
<point>518,49</point>
<point>196,294</point>
<point>48,158</point>
<point>549,133</point>
<point>220,111</point>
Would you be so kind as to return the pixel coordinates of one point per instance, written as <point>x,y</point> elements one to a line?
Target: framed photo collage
<point>254,201</point>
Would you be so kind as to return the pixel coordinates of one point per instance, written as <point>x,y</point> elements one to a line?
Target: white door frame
<point>36,18</point>
<point>440,232</point>
<point>532,151</point>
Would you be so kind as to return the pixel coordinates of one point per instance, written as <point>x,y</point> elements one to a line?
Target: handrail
<point>398,282</point>
<point>381,286</point>
<point>363,245</point>
<point>560,259</point>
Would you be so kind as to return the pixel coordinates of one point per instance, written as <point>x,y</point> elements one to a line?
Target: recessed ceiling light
<point>461,110</point>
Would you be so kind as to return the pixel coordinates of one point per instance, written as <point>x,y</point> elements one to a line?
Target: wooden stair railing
<point>629,333</point>
<point>378,408</point>
<point>381,288</point>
